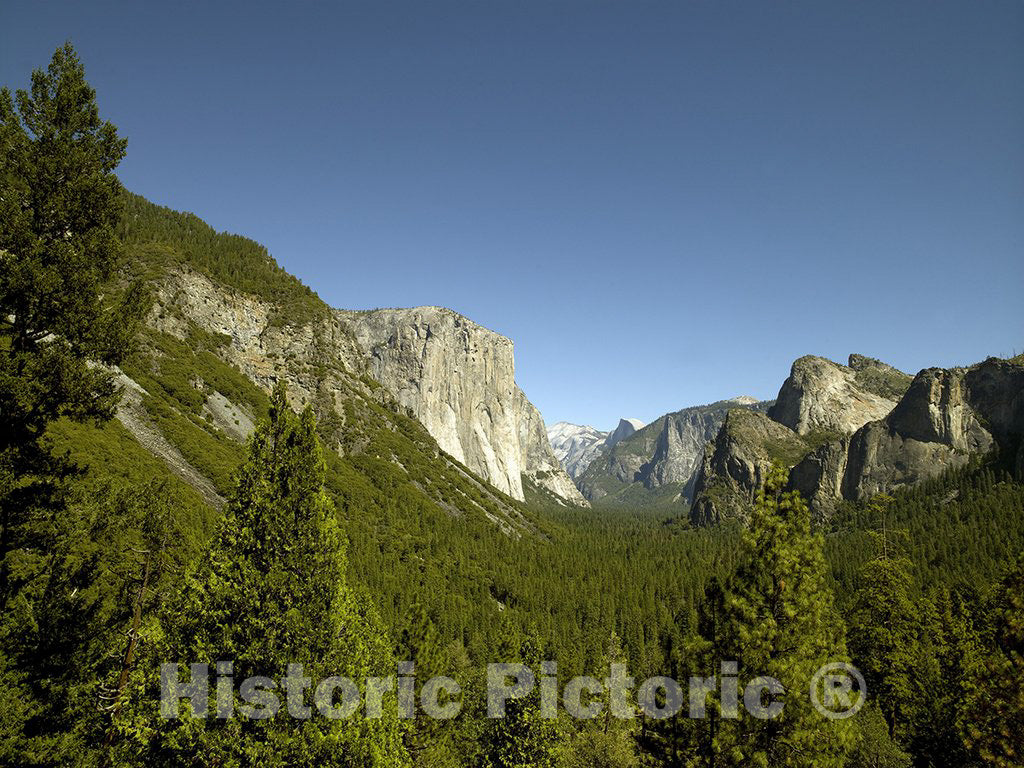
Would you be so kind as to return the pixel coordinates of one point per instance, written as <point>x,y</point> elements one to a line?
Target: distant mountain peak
<point>625,428</point>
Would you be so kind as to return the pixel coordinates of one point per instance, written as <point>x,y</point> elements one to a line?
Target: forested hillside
<point>170,495</point>
<point>434,571</point>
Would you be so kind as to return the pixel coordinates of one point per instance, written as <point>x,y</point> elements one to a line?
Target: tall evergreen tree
<point>59,205</point>
<point>946,660</point>
<point>883,631</point>
<point>994,715</point>
<point>523,738</point>
<point>873,747</point>
<point>609,740</point>
<point>271,592</point>
<point>430,741</point>
<point>780,622</point>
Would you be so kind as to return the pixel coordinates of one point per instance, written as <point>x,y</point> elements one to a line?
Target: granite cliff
<point>848,432</point>
<point>819,402</point>
<point>458,379</point>
<point>821,395</point>
<point>946,417</point>
<point>464,395</point>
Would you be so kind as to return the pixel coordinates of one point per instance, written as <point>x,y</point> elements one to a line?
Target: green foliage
<point>779,621</point>
<point>961,528</point>
<point>607,741</point>
<point>58,209</point>
<point>271,591</point>
<point>883,629</point>
<point>995,715</point>
<point>59,205</point>
<point>159,238</point>
<point>874,746</point>
<point>524,737</point>
<point>948,659</point>
<point>884,381</point>
<point>66,628</point>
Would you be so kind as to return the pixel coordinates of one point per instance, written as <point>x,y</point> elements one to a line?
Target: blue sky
<point>663,204</point>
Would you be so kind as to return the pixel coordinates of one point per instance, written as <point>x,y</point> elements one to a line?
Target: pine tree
<point>779,621</point>
<point>59,205</point>
<point>271,592</point>
<point>946,659</point>
<point>994,716</point>
<point>428,740</point>
<point>523,738</point>
<point>608,741</point>
<point>883,634</point>
<point>874,748</point>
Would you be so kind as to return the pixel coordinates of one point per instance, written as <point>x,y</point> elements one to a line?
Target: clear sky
<point>663,204</point>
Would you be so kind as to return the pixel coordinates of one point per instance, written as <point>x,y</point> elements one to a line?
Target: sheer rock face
<point>681,442</point>
<point>458,379</point>
<point>946,417</point>
<point>807,430</point>
<point>625,428</point>
<point>821,395</point>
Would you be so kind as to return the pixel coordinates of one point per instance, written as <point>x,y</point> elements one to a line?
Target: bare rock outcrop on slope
<point>825,396</point>
<point>736,464</point>
<point>946,417</point>
<point>819,406</point>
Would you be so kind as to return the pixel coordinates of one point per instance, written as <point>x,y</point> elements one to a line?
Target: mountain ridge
<point>845,433</point>
<point>655,464</point>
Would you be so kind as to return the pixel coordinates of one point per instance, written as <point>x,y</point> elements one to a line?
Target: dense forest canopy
<point>341,538</point>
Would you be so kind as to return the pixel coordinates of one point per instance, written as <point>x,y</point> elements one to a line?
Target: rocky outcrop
<point>452,375</point>
<point>808,431</point>
<point>946,417</point>
<point>312,358</point>
<point>575,446</point>
<point>736,464</point>
<point>458,379</point>
<point>821,395</point>
<point>540,465</point>
<point>625,428</point>
<point>133,416</point>
<point>658,461</point>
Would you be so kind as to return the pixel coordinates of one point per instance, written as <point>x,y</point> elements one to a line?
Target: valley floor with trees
<point>324,555</point>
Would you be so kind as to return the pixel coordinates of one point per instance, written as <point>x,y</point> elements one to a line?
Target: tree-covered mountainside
<point>159,238</point>
<point>417,540</point>
<point>209,475</point>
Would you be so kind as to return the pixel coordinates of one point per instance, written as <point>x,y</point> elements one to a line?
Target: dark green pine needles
<point>270,592</point>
